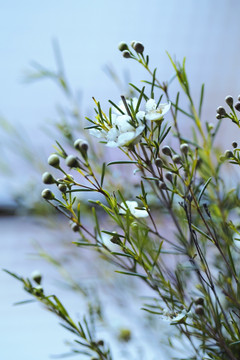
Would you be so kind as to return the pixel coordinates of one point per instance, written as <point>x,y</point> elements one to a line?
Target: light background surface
<point>206,32</point>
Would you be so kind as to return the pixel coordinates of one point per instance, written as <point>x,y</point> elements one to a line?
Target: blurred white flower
<point>155,113</point>
<point>174,318</point>
<point>131,206</point>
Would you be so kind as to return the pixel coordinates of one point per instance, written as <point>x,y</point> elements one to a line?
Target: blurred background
<point>87,34</point>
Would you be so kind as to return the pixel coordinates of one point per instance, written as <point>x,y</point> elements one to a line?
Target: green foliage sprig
<point>190,264</point>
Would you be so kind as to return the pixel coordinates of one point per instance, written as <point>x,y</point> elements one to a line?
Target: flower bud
<point>100,343</point>
<point>115,239</point>
<point>184,148</point>
<point>177,159</point>
<point>169,176</point>
<point>199,310</point>
<point>36,276</point>
<point>68,177</point>
<point>221,111</point>
<point>47,194</point>
<point>38,290</point>
<point>82,146</point>
<point>228,154</point>
<point>126,54</point>
<point>47,178</point>
<point>162,185</point>
<point>166,150</point>
<point>237,106</point>
<point>229,100</point>
<point>238,97</point>
<point>74,227</point>
<point>62,188</point>
<point>138,47</point>
<point>218,116</point>
<point>222,158</point>
<point>133,43</point>
<point>122,46</point>
<point>72,161</point>
<point>54,160</point>
<point>199,301</point>
<point>234,144</point>
<point>158,162</point>
<point>210,126</point>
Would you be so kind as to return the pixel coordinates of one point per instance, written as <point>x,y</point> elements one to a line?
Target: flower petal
<point>151,105</point>
<point>123,124</point>
<point>131,206</point>
<point>97,133</point>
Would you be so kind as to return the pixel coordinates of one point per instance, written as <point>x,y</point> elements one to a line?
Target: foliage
<point>190,265</point>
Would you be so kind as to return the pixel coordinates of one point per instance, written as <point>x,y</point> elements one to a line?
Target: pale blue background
<point>207,32</point>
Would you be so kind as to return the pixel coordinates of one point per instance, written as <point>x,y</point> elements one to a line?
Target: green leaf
<point>122,162</point>
<point>131,274</point>
<point>203,189</point>
<point>140,91</point>
<point>201,101</point>
<point>103,173</point>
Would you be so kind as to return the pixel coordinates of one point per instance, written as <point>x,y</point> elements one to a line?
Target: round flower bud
<point>62,188</point>
<point>100,343</point>
<point>74,227</point>
<point>222,158</point>
<point>228,154</point>
<point>115,239</point>
<point>166,150</point>
<point>71,161</point>
<point>47,178</point>
<point>82,146</point>
<point>177,159</point>
<point>229,100</point>
<point>162,185</point>
<point>138,47</point>
<point>122,46</point>
<point>237,106</point>
<point>68,177</point>
<point>238,97</point>
<point>218,116</point>
<point>199,301</point>
<point>210,126</point>
<point>126,54</point>
<point>221,111</point>
<point>184,148</point>
<point>47,194</point>
<point>133,43</point>
<point>169,176</point>
<point>38,290</point>
<point>54,160</point>
<point>36,276</point>
<point>199,310</point>
<point>158,162</point>
<point>234,144</point>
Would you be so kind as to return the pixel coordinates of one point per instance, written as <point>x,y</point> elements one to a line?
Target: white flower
<point>174,318</point>
<point>155,113</point>
<point>131,206</point>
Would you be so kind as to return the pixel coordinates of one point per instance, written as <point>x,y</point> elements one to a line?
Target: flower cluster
<point>125,127</point>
